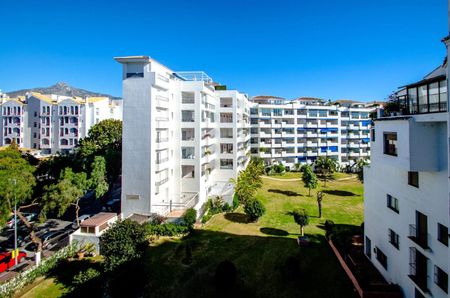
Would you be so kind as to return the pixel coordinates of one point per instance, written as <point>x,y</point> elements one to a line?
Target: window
<point>441,278</point>
<point>368,247</point>
<point>226,148</point>
<point>372,134</point>
<point>442,234</point>
<point>393,239</point>
<point>188,97</point>
<point>413,179</point>
<point>277,112</point>
<point>390,143</point>
<point>226,164</point>
<point>381,257</point>
<point>392,203</point>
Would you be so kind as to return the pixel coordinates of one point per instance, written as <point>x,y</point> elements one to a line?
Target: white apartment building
<point>301,130</point>
<point>406,191</point>
<point>51,123</point>
<point>183,138</point>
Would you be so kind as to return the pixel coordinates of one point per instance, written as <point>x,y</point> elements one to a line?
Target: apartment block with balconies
<point>183,138</point>
<point>406,190</point>
<point>302,130</point>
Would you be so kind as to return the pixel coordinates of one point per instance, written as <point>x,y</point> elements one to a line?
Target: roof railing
<point>193,76</point>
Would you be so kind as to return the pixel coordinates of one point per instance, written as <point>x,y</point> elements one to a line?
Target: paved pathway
<point>298,179</point>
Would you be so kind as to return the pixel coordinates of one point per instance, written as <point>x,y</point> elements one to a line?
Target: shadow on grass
<point>340,193</point>
<point>273,232</point>
<point>237,217</point>
<point>288,193</point>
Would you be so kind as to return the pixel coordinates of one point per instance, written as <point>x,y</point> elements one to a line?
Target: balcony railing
<point>162,140</point>
<point>162,160</point>
<point>161,182</point>
<point>420,238</point>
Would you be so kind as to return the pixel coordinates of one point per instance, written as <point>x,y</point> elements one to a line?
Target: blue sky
<point>350,49</point>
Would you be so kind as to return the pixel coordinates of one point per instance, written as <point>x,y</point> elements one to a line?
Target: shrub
<point>235,201</point>
<point>225,277</point>
<point>189,218</point>
<point>168,229</point>
<point>254,209</point>
<point>227,208</point>
<point>157,219</point>
<point>206,217</point>
<point>123,242</point>
<point>85,276</point>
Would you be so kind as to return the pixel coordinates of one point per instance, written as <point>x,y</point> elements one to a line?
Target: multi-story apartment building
<point>53,123</point>
<point>301,130</point>
<point>183,138</point>
<point>406,190</point>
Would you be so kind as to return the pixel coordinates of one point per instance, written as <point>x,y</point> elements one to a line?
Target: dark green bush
<point>156,219</point>
<point>123,242</point>
<point>189,218</point>
<point>168,229</point>
<point>85,276</point>
<point>254,209</point>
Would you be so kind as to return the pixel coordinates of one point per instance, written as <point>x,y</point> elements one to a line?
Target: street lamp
<point>15,223</point>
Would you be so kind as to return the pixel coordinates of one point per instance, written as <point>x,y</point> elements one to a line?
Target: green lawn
<point>260,250</point>
<point>264,252</point>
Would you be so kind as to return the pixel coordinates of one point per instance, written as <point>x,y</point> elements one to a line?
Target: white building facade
<point>184,136</point>
<point>406,191</point>
<point>48,124</point>
<point>183,139</point>
<point>301,130</point>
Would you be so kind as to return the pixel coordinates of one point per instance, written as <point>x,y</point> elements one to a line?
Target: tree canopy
<point>16,181</point>
<point>327,166</point>
<point>309,179</point>
<point>122,243</point>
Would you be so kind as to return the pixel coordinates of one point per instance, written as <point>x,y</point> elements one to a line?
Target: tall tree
<point>66,192</point>
<point>98,176</point>
<point>309,179</point>
<point>104,139</point>
<point>16,187</point>
<point>327,166</point>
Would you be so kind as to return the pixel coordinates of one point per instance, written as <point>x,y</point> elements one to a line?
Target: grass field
<point>263,252</point>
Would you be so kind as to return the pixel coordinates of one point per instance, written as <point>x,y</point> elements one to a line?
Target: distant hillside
<point>60,89</point>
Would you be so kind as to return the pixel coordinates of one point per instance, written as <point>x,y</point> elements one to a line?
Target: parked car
<point>111,205</point>
<point>6,261</point>
<point>51,238</point>
<point>29,216</point>
<point>81,219</point>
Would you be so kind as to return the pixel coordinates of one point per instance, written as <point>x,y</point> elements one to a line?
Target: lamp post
<point>15,223</point>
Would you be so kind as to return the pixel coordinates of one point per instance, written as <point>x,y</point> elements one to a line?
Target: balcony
<point>418,269</point>
<point>161,182</point>
<point>418,237</point>
<point>162,140</point>
<point>162,160</point>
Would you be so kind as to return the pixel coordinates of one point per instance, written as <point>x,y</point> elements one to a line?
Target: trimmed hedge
<point>168,229</point>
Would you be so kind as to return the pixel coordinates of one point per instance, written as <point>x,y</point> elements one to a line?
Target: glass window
<point>394,239</point>
<point>381,257</point>
<point>434,97</point>
<point>412,98</point>
<point>443,96</point>
<point>441,278</point>
<point>423,100</point>
<point>413,179</point>
<point>277,112</point>
<point>392,203</point>
<point>323,113</point>
<point>390,143</point>
<point>442,234</point>
<point>226,164</point>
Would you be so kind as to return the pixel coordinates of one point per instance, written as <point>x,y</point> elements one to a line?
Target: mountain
<point>60,89</point>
